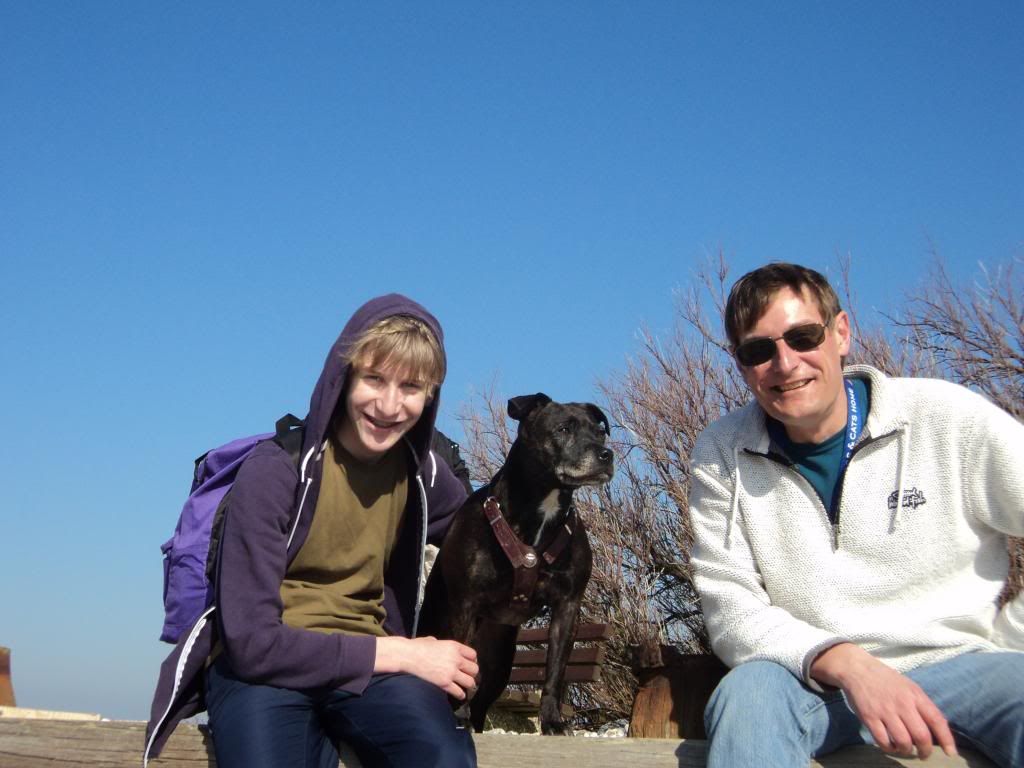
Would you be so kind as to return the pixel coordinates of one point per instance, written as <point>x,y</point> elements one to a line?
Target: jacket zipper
<point>784,462</point>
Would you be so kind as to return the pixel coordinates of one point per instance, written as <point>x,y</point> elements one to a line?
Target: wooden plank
<point>525,703</point>
<point>583,632</point>
<point>593,654</point>
<point>50,743</point>
<point>520,702</point>
<point>593,632</point>
<point>531,675</point>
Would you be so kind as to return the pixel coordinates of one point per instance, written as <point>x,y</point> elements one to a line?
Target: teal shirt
<point>819,462</point>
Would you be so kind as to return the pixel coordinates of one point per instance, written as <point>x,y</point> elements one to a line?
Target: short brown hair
<point>402,341</point>
<point>752,293</point>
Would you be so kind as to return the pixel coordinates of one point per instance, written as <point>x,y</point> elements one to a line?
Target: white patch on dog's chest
<point>548,509</point>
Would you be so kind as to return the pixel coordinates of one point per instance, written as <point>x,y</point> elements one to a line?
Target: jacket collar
<point>887,414</point>
<point>884,416</point>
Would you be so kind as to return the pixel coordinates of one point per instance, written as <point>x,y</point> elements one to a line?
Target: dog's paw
<point>555,728</point>
<point>462,718</point>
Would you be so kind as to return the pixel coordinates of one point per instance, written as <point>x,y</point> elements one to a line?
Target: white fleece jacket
<point>912,571</point>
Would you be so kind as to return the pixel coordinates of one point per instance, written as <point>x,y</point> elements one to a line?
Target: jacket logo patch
<point>912,499</point>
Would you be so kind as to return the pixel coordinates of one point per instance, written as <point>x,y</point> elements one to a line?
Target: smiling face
<point>803,390</point>
<point>381,405</point>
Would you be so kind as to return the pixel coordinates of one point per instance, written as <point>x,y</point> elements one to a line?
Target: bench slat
<point>583,632</point>
<point>538,658</point>
<point>589,674</point>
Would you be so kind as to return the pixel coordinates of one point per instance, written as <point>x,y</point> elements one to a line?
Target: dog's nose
<point>605,455</point>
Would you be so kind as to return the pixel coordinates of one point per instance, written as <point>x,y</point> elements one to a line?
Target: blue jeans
<point>399,720</point>
<point>761,715</point>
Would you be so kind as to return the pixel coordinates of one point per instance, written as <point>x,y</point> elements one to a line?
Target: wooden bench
<point>38,739</point>
<point>28,743</point>
<point>529,666</point>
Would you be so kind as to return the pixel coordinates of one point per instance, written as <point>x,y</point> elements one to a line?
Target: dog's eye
<point>563,429</point>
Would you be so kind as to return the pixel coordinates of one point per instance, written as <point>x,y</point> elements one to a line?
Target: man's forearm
<point>838,665</point>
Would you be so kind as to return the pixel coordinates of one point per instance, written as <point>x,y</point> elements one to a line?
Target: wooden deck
<point>38,743</point>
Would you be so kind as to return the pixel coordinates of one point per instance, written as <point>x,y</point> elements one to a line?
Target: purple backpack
<point>188,554</point>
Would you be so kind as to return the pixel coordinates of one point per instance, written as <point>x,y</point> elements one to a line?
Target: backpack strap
<point>448,449</point>
<point>287,423</point>
<point>289,435</point>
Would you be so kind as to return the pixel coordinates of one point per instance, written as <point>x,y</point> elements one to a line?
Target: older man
<point>851,547</point>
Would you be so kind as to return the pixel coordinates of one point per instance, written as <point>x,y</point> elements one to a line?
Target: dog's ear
<point>520,407</point>
<point>599,415</point>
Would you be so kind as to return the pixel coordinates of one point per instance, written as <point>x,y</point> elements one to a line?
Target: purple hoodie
<point>269,517</point>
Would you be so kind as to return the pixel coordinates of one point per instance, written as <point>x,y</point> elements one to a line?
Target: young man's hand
<point>449,665</point>
<point>898,713</point>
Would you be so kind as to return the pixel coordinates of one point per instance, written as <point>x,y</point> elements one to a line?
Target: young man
<point>851,547</point>
<point>319,576</point>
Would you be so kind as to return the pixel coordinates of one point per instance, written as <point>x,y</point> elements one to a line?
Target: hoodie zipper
<point>421,583</point>
<point>179,670</point>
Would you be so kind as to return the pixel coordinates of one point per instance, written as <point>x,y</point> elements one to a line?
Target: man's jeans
<point>399,721</point>
<point>761,715</point>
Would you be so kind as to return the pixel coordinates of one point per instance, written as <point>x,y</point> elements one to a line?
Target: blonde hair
<point>403,342</point>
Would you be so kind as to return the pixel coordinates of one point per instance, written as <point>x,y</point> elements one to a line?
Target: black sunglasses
<point>799,338</point>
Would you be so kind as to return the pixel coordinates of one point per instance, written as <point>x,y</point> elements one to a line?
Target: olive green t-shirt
<point>336,582</point>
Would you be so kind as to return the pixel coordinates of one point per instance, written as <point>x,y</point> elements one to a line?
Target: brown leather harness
<point>523,557</point>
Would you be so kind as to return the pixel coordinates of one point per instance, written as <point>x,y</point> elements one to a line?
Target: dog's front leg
<point>496,649</point>
<point>464,628</point>
<point>560,641</point>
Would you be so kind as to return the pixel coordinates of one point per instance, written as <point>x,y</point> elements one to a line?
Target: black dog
<point>517,546</point>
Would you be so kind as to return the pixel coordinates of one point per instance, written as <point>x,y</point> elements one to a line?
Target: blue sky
<point>195,196</point>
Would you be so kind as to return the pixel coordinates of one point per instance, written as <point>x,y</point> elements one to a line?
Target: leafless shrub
<point>976,332</point>
<point>487,434</point>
